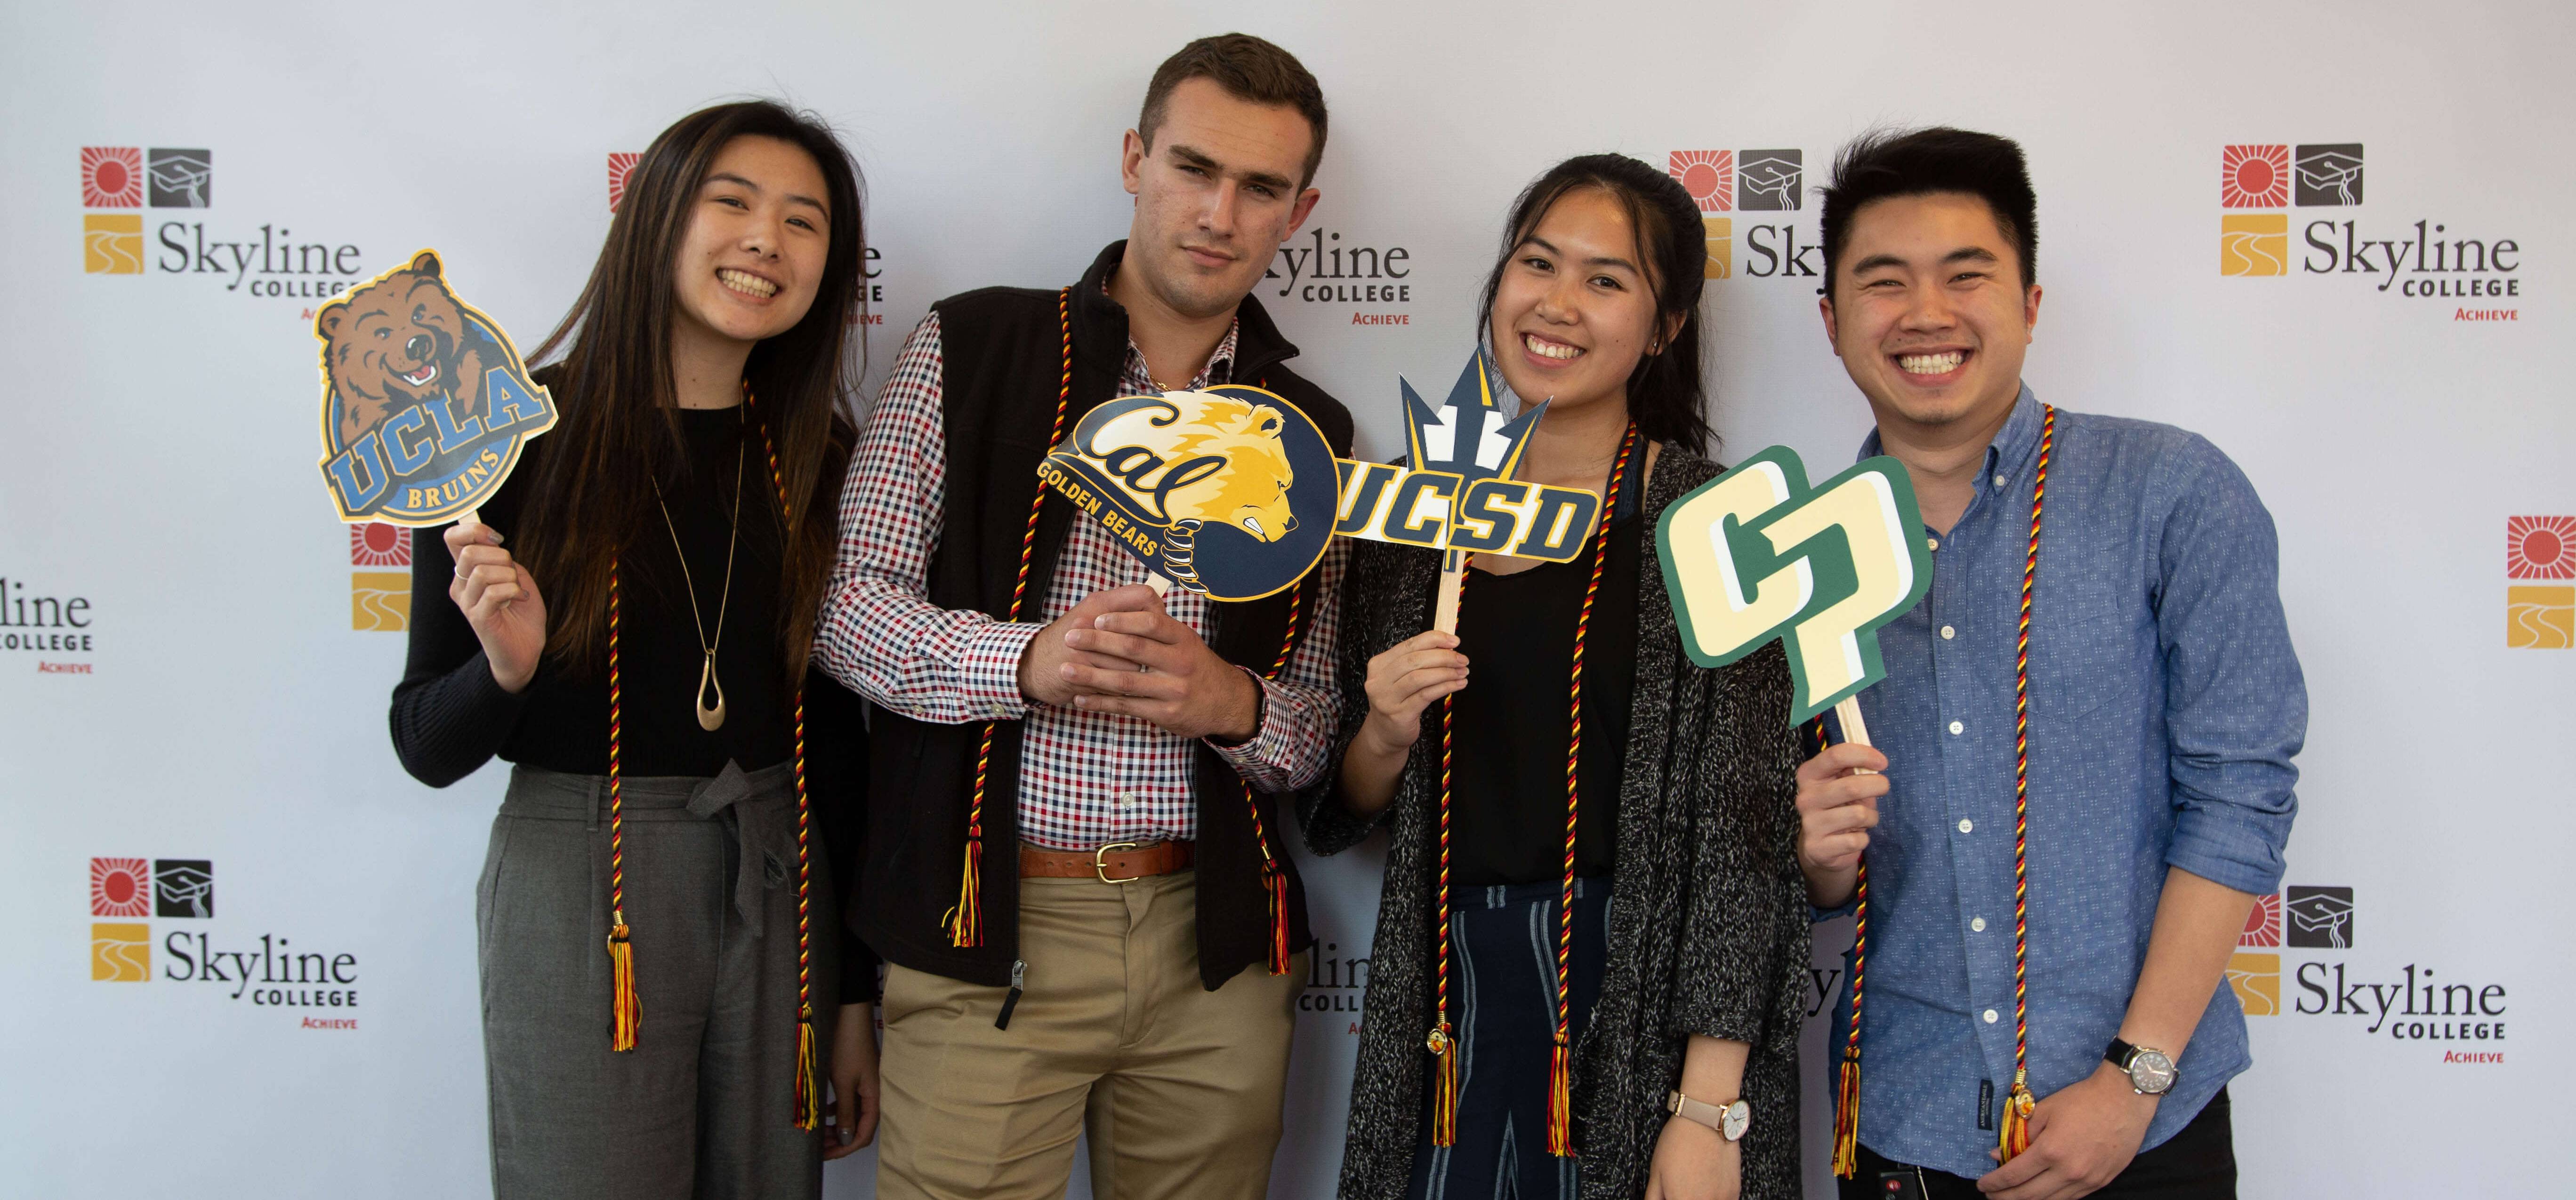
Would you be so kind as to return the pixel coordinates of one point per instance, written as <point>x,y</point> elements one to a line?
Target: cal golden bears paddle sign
<point>425,402</point>
<point>1224,491</point>
<point>1456,491</point>
<point>1756,554</point>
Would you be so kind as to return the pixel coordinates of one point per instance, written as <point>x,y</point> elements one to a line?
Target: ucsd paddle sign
<point>1757,554</point>
<point>425,402</point>
<point>1227,492</point>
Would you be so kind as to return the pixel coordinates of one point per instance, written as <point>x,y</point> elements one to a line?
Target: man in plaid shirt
<point>1072,852</point>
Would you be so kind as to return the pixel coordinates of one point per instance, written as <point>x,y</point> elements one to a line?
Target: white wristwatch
<point>1729,1120</point>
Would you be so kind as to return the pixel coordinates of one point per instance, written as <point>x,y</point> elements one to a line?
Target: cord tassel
<point>966,921</point>
<point>1847,1118</point>
<point>1560,1102</point>
<point>2016,1125</point>
<point>809,1075</point>
<point>626,1014</point>
<point>1444,1091</point>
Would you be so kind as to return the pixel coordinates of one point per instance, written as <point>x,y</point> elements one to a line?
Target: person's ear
<point>1298,213</point>
<point>2030,309</point>
<point>1833,329</point>
<point>1131,161</point>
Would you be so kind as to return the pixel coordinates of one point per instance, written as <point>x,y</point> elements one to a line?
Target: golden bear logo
<point>425,403</point>
<point>1202,486</point>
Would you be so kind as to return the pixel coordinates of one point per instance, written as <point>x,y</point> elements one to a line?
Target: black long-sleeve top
<point>449,716</point>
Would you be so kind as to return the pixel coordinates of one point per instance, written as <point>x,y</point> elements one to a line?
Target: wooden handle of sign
<point>1444,613</point>
<point>473,516</point>
<point>1162,587</point>
<point>1855,730</point>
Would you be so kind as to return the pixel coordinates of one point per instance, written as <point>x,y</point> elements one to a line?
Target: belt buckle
<point>1100,865</point>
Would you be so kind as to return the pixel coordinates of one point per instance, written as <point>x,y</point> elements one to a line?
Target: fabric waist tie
<point>760,804</point>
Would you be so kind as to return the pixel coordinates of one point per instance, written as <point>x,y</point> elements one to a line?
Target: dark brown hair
<point>620,431</point>
<point>1884,163</point>
<point>1666,396</point>
<point>1248,68</point>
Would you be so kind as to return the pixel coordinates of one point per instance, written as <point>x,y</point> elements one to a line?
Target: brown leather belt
<point>1117,862</point>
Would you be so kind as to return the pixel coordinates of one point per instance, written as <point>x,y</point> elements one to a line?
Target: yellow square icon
<point>2540,618</point>
<point>1721,246</point>
<point>380,600</point>
<point>120,952</point>
<point>2254,244</point>
<point>2257,980</point>
<point>112,243</point>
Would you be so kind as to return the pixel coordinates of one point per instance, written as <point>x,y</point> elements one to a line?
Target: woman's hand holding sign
<point>500,600</point>
<point>1403,683</point>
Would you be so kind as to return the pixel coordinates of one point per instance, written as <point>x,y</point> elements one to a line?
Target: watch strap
<point>2119,1053</point>
<point>1703,1112</point>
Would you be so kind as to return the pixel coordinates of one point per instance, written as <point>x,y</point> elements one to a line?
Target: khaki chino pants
<point>1179,1087</point>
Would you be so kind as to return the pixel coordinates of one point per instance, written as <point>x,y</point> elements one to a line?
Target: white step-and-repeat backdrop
<point>238,956</point>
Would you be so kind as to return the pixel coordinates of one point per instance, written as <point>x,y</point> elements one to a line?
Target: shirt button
<point>1957,728</point>
<point>1947,633</point>
<point>1977,925</point>
<point>1933,542</point>
<point>1990,1016</point>
<point>1126,799</point>
<point>1999,481</point>
<point>1967,826</point>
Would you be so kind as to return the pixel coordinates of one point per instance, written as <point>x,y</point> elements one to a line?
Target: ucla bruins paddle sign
<point>1226,492</point>
<point>425,403</point>
<point>1756,554</point>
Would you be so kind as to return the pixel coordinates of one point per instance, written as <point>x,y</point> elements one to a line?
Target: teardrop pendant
<point>710,719</point>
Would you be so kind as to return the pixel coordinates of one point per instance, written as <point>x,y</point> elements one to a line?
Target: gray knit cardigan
<point>1708,918</point>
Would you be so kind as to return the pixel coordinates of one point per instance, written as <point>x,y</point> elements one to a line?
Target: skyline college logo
<point>42,626</point>
<point>268,973</point>
<point>2260,184</point>
<point>379,600</point>
<point>1767,181</point>
<point>130,177</point>
<point>2540,616</point>
<point>2409,1004</point>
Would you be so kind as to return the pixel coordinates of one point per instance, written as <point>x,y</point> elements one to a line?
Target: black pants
<point>2197,1163</point>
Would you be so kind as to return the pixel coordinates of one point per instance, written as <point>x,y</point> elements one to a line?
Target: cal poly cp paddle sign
<point>1227,492</point>
<point>425,403</point>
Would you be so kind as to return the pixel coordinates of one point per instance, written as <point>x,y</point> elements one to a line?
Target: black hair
<point>1666,395</point>
<point>1884,163</point>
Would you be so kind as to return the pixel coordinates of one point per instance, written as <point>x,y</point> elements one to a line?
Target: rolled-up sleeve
<point>2236,703</point>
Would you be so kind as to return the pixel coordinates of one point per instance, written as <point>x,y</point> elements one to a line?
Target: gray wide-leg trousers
<point>703,1105</point>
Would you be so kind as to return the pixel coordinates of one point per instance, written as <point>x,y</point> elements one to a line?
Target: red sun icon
<point>2254,177</point>
<point>2263,923</point>
<point>120,887</point>
<point>111,177</point>
<point>2540,547</point>
<point>376,544</point>
<point>620,165</point>
<point>1708,175</point>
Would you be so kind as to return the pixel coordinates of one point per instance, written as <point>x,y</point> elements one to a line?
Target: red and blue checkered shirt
<point>1086,778</point>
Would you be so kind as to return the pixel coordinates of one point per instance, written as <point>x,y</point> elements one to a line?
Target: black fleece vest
<point>1003,351</point>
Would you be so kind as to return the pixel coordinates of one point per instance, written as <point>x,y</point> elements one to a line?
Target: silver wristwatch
<point>2151,1072</point>
<point>1729,1120</point>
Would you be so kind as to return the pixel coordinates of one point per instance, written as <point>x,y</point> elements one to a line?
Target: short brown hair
<point>1248,68</point>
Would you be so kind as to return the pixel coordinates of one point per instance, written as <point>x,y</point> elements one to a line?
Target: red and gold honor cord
<point>1560,1101</point>
<point>2014,1135</point>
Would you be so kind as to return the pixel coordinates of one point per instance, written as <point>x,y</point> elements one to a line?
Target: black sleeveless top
<point>1514,719</point>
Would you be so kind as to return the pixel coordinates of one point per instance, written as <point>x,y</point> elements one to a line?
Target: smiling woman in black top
<point>658,931</point>
<point>1621,922</point>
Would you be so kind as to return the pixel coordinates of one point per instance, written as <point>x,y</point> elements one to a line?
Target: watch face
<point>1739,1116</point>
<point>2151,1072</point>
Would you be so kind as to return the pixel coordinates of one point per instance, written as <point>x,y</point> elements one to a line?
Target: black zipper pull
<point>1019,971</point>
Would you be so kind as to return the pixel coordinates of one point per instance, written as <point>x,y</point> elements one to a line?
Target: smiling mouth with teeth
<point>423,376</point>
<point>747,283</point>
<point>1546,349</point>
<point>1931,364</point>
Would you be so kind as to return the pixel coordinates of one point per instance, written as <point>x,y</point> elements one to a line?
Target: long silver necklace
<point>709,719</point>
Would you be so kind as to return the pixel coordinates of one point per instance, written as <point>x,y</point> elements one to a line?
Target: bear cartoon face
<point>396,342</point>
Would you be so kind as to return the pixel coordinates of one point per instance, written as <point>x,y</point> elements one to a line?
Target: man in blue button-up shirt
<point>2165,705</point>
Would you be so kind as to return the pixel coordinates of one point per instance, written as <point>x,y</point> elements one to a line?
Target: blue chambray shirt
<point>2165,706</point>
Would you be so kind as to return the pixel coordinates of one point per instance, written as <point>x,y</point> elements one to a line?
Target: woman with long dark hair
<point>661,950</point>
<point>1592,937</point>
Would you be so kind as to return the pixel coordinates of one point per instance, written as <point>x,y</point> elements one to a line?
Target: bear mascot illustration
<point>399,341</point>
<point>1200,458</point>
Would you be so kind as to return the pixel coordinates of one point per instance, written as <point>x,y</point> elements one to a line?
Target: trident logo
<point>1756,554</point>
